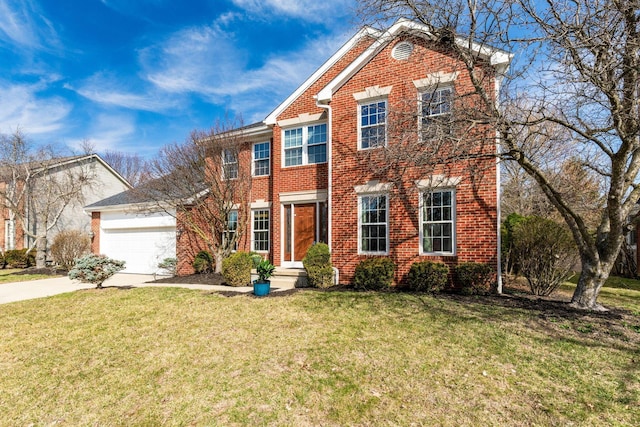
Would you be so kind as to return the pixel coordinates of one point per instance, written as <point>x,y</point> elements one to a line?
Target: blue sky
<point>134,75</point>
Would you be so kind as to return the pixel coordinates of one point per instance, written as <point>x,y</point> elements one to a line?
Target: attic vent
<point>402,51</point>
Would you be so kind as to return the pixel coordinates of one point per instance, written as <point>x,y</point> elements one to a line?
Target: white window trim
<point>9,234</point>
<point>386,127</point>
<point>224,164</point>
<point>253,158</point>
<point>431,89</point>
<point>305,144</point>
<point>360,251</point>
<point>253,230</point>
<point>438,182</point>
<point>435,80</point>
<point>454,227</point>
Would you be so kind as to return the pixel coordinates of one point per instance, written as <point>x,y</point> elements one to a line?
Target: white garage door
<point>142,248</point>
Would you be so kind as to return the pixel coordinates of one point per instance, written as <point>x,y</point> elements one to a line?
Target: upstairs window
<point>229,164</point>
<point>261,156</point>
<point>436,108</point>
<point>373,124</point>
<point>305,145</point>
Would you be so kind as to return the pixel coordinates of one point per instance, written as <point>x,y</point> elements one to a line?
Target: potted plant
<point>262,286</point>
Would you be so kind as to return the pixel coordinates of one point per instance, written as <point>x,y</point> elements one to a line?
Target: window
<point>373,224</point>
<point>229,233</point>
<point>373,129</point>
<point>305,145</point>
<point>436,112</point>
<point>261,153</point>
<point>9,234</point>
<point>317,143</point>
<point>438,216</point>
<point>229,164</point>
<point>261,230</point>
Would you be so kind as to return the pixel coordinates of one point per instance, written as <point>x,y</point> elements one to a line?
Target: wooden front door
<point>304,229</point>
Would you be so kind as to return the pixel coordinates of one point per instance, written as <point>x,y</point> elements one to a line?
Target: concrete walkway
<point>20,291</point>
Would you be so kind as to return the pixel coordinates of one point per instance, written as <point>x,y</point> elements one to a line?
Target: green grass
<point>162,356</point>
<point>10,276</point>
<point>615,282</point>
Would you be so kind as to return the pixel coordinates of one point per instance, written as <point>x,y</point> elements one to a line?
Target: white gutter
<point>498,79</point>
<point>330,168</point>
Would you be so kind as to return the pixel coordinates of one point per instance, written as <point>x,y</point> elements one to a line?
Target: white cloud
<point>109,132</point>
<point>20,106</point>
<point>22,24</point>
<point>310,10</point>
<point>209,62</point>
<point>105,89</point>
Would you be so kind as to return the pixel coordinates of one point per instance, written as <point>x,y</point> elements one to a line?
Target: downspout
<point>336,273</point>
<point>498,78</point>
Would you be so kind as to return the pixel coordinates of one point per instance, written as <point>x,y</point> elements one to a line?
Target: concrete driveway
<point>19,291</point>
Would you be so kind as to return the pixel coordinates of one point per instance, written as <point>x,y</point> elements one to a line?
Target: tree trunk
<point>41,252</point>
<point>592,278</point>
<point>218,257</point>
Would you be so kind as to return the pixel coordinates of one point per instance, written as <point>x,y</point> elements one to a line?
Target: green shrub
<point>203,262</point>
<point>428,276</point>
<point>317,263</point>
<point>3,262</point>
<point>256,258</point>
<point>546,253</point>
<point>374,274</point>
<point>473,277</point>
<point>68,246</point>
<point>19,258</point>
<point>95,269</point>
<point>169,265</point>
<point>236,269</point>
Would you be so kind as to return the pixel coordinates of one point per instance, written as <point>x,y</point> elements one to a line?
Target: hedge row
<point>425,276</point>
<point>17,258</point>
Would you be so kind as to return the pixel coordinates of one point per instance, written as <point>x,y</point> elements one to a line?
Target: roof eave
<point>498,58</point>
<point>271,119</point>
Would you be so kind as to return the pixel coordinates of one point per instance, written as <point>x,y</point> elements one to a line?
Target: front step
<point>286,278</point>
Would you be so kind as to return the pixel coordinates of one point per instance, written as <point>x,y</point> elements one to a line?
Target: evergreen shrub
<point>95,269</point>
<point>317,263</point>
<point>428,276</point>
<point>374,274</point>
<point>236,269</point>
<point>474,277</point>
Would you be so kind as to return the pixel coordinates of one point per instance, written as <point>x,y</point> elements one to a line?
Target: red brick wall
<point>476,197</point>
<point>95,229</point>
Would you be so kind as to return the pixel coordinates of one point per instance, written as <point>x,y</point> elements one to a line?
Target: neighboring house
<point>104,182</point>
<point>130,228</point>
<point>321,170</point>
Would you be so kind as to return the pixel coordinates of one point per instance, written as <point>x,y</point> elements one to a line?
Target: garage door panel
<point>141,248</point>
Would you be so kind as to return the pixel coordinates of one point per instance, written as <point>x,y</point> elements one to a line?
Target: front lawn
<point>162,356</point>
<point>11,275</point>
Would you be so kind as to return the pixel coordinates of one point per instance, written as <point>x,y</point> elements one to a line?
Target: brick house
<point>324,169</point>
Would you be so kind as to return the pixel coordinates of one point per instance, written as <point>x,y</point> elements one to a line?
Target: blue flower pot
<point>261,289</point>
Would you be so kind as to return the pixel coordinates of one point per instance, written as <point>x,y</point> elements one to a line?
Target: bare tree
<point>36,186</point>
<point>205,183</point>
<point>578,67</point>
<point>130,165</point>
